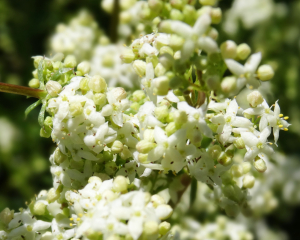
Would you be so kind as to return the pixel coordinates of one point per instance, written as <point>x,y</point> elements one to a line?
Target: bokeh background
<point>25,30</point>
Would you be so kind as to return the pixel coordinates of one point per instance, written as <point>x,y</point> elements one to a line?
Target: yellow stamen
<point>71,224</point>
<point>286,118</point>
<point>78,219</point>
<point>285,129</point>
<point>80,215</point>
<point>71,219</point>
<point>280,126</point>
<point>280,115</point>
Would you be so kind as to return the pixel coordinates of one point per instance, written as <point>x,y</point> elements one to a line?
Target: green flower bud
<point>228,49</point>
<point>216,15</point>
<point>208,2</point>
<point>37,60</point>
<point>39,208</point>
<point>177,4</point>
<point>213,82</point>
<point>175,14</point>
<point>142,158</point>
<point>117,147</point>
<point>265,72</point>
<point>165,26</point>
<point>159,70</point>
<point>45,132</point>
<point>215,151</point>
<point>48,121</point>
<point>150,230</point>
<point>248,181</point>
<point>53,88</point>
<point>57,65</point>
<point>6,216</point>
<point>84,84</point>
<point>120,184</point>
<point>84,67</point>
<point>99,99</point>
<point>59,157</point>
<point>164,228</point>
<point>157,200</point>
<point>95,179</point>
<point>35,74</point>
<point>111,168</point>
<point>104,40</point>
<point>260,165</point>
<point>155,5</point>
<point>224,159</point>
<point>167,61</point>
<point>70,61</point>
<point>149,135</point>
<point>52,195</point>
<point>48,64</point>
<point>189,13</point>
<point>119,93</point>
<point>180,117</point>
<point>34,83</point>
<point>213,33</point>
<point>153,60</point>
<point>76,109</point>
<point>145,146</point>
<point>58,57</point>
<point>255,98</point>
<point>237,170</point>
<point>166,49</point>
<point>162,85</point>
<point>171,128</point>
<point>228,84</point>
<point>126,153</point>
<point>107,60</point>
<point>243,51</point>
<point>125,17</point>
<point>97,84</point>
<point>127,56</point>
<point>139,67</point>
<point>135,106</point>
<point>108,156</point>
<point>246,167</point>
<point>239,143</point>
<point>138,95</point>
<point>161,113</point>
<point>176,42</point>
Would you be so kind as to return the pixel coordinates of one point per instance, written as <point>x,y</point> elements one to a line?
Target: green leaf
<point>59,72</point>
<point>42,114</point>
<point>31,107</point>
<point>41,74</point>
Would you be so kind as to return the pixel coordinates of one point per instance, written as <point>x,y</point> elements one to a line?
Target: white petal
<point>160,135</point>
<point>235,67</point>
<point>202,24</point>
<point>249,138</point>
<point>265,134</point>
<point>253,62</point>
<point>135,227</point>
<point>40,225</point>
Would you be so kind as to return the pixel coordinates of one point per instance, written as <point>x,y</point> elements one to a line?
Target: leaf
<point>41,74</point>
<point>59,72</point>
<point>31,107</point>
<point>42,114</point>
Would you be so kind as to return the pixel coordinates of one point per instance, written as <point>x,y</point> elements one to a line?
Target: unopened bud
<point>157,200</point>
<point>97,84</point>
<point>265,72</point>
<point>171,128</point>
<point>164,228</point>
<point>37,60</point>
<point>150,229</point>
<point>120,184</point>
<point>176,42</point>
<point>145,146</point>
<point>237,170</point>
<point>59,157</point>
<point>75,109</point>
<point>248,181</point>
<point>139,67</point>
<point>208,2</point>
<point>161,113</point>
<point>228,49</point>
<point>176,14</point>
<point>58,57</point>
<point>216,15</point>
<point>260,165</point>
<point>142,158</point>
<point>53,88</point>
<point>127,56</point>
<point>52,195</point>
<point>159,70</point>
<point>243,51</point>
<point>6,216</point>
<point>180,117</point>
<point>228,85</point>
<point>224,159</point>
<point>215,151</point>
<point>149,135</point>
<point>95,179</point>
<point>163,211</point>
<point>155,5</point>
<point>99,99</point>
<point>70,61</point>
<point>162,85</point>
<point>138,95</point>
<point>239,143</point>
<point>34,83</point>
<point>84,67</point>
<point>255,98</point>
<point>117,147</point>
<point>39,208</point>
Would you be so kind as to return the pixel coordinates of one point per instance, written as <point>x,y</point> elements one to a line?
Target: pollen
<point>280,126</point>
<point>286,118</point>
<point>280,115</point>
<point>285,129</point>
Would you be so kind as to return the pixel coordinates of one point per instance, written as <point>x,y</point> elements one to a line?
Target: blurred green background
<point>25,27</point>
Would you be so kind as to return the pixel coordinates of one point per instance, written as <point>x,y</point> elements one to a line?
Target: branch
<point>20,90</point>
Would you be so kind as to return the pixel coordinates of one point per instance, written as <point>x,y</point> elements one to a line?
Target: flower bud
<point>119,93</point>
<point>109,195</point>
<point>237,170</point>
<point>243,51</point>
<point>111,168</point>
<point>99,99</point>
<point>228,84</point>
<point>163,211</point>
<point>52,195</point>
<point>70,61</point>
<point>228,49</point>
<point>166,49</point>
<point>246,167</point>
<point>127,56</point>
<point>176,14</point>
<point>145,146</point>
<point>57,65</point>
<point>155,5</point>
<point>139,67</point>
<point>171,128</point>
<point>176,42</point>
<point>167,61</point>
<point>157,200</point>
<point>39,208</point>
<point>142,158</point>
<point>213,33</point>
<point>126,153</point>
<point>161,113</point>
<point>224,159</point>
<point>95,179</point>
<point>149,135</point>
<point>58,57</point>
<point>120,184</point>
<point>164,228</point>
<point>59,157</point>
<point>84,67</point>
<point>208,2</point>
<point>117,147</point>
<point>150,230</point>
<point>37,60</point>
<point>159,70</point>
<point>265,72</point>
<point>75,109</point>
<point>260,165</point>
<point>180,117</point>
<point>248,181</point>
<point>138,95</point>
<point>97,84</point>
<point>34,83</point>
<point>255,98</point>
<point>48,64</point>
<point>35,74</point>
<point>84,84</point>
<point>216,15</point>
<point>6,216</point>
<point>53,88</point>
<point>215,151</point>
<point>162,85</point>
<point>239,143</point>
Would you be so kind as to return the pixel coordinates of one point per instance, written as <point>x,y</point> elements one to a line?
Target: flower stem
<point>26,91</point>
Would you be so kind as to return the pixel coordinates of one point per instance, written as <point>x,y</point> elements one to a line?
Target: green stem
<point>26,91</point>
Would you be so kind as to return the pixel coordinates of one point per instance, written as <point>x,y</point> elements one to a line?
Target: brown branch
<point>20,90</point>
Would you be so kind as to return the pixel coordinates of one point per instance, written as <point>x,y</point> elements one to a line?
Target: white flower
<point>256,145</point>
<point>246,74</point>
